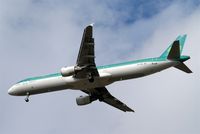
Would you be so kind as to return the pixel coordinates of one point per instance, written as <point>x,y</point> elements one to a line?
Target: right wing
<point>103,95</point>
<point>86,56</point>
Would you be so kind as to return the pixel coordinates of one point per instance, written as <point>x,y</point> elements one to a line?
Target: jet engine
<point>83,100</point>
<point>67,71</point>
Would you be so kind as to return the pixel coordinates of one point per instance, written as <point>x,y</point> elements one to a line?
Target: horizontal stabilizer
<point>183,68</point>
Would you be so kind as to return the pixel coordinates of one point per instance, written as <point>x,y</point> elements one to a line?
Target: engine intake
<point>67,71</point>
<point>71,70</point>
<point>83,100</point>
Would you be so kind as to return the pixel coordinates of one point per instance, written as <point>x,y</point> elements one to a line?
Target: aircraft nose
<point>11,91</point>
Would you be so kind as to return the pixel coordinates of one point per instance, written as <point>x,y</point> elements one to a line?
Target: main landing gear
<point>27,97</point>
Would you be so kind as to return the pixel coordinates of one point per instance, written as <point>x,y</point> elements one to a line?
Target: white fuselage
<point>108,75</point>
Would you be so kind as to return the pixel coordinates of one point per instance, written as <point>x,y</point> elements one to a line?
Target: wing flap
<point>86,56</point>
<point>103,95</point>
<point>87,48</point>
<point>117,104</point>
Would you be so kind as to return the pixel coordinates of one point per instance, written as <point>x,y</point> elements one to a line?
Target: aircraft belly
<point>107,76</point>
<point>45,85</point>
<point>61,83</point>
<point>138,70</point>
<point>101,81</point>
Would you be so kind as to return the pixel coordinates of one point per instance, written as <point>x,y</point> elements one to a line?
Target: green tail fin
<point>173,52</point>
<point>177,46</point>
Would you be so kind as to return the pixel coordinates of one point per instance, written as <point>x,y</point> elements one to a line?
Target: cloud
<point>39,37</point>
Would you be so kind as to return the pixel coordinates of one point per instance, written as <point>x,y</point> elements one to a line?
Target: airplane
<point>92,79</point>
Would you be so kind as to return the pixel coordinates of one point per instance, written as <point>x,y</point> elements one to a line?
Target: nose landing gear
<point>27,97</point>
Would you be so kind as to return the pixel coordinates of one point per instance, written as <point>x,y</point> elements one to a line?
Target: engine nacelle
<point>67,71</point>
<point>83,100</point>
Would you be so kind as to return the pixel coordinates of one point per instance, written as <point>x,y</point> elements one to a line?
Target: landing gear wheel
<point>27,97</point>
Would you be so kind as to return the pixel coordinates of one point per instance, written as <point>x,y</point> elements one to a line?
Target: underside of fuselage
<point>107,76</point>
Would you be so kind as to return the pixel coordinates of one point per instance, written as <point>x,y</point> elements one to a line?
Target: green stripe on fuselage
<point>132,62</point>
<point>40,77</point>
<point>99,67</point>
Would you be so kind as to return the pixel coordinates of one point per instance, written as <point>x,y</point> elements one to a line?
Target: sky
<point>39,37</point>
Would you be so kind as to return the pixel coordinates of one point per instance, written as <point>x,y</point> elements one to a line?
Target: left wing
<point>86,57</point>
<point>103,95</point>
